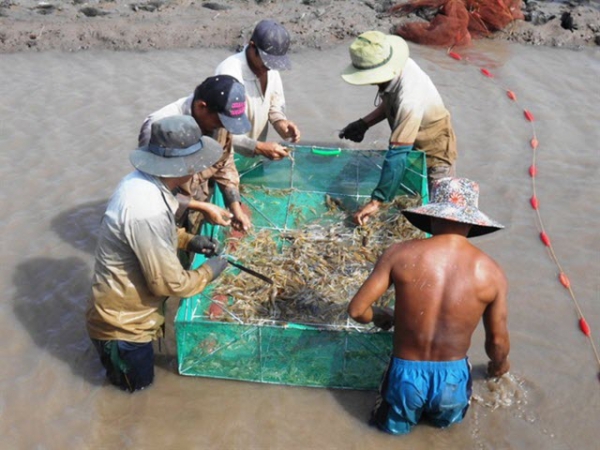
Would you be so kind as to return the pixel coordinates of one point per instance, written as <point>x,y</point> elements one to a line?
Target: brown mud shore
<point>141,25</point>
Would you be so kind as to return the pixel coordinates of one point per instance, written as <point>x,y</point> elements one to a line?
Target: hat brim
<point>209,152</point>
<point>235,125</point>
<point>384,73</point>
<point>275,62</point>
<point>481,224</point>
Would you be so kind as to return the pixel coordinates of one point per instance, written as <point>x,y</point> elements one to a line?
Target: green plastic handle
<point>323,152</point>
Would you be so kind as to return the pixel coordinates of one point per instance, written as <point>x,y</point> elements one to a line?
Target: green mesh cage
<point>282,196</point>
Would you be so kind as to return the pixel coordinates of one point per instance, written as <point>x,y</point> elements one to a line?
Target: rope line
<point>535,205</point>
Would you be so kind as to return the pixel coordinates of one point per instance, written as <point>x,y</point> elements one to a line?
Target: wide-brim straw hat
<point>454,199</point>
<point>177,148</point>
<point>376,58</point>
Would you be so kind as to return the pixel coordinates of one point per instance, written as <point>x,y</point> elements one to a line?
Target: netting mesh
<point>456,22</point>
<point>282,196</point>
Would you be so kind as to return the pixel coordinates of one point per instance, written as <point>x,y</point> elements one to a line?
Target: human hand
<point>355,131</point>
<point>383,317</point>
<point>216,215</point>
<point>287,130</point>
<point>271,150</point>
<point>217,266</point>
<point>496,369</point>
<point>240,221</point>
<point>361,217</point>
<point>203,245</point>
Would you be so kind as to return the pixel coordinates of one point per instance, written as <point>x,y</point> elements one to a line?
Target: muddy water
<point>67,122</point>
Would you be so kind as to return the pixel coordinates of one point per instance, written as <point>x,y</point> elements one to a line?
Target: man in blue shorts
<point>444,285</point>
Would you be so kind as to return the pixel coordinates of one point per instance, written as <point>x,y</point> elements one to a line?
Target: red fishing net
<point>456,21</point>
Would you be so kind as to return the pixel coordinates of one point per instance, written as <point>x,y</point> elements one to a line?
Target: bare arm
<point>240,220</point>
<point>361,306</point>
<point>287,130</point>
<point>497,342</point>
<point>212,213</point>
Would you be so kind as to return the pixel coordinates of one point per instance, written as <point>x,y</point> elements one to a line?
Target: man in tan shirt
<point>136,266</point>
<point>412,106</point>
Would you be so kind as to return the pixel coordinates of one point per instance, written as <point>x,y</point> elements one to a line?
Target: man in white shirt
<point>257,67</point>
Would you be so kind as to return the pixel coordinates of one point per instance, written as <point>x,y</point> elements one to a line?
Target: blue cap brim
<point>235,125</point>
<point>275,62</point>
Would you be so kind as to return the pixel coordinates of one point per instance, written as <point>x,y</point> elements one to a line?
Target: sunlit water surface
<point>67,123</point>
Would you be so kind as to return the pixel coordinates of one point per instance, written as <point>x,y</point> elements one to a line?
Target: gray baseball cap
<point>273,42</point>
<point>177,148</point>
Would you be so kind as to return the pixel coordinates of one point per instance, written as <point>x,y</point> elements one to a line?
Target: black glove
<point>216,265</point>
<point>203,245</point>
<point>355,131</point>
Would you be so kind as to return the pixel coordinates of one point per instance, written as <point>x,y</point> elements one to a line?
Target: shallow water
<point>67,122</point>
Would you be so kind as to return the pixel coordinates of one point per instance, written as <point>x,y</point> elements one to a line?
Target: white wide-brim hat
<point>376,58</point>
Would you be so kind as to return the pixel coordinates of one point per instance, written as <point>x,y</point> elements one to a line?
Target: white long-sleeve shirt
<point>260,108</point>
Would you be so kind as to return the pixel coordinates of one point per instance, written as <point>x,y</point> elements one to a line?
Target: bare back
<point>443,286</point>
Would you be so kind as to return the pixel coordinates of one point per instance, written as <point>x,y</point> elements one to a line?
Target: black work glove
<point>203,245</point>
<point>355,131</point>
<point>216,265</point>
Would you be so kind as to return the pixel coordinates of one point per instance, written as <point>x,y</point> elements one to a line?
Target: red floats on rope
<point>532,171</point>
<point>585,327</point>
<point>534,202</point>
<point>528,115</point>
<point>455,56</point>
<point>511,95</point>
<point>564,280</point>
<point>534,143</point>
<point>545,239</point>
<point>487,73</point>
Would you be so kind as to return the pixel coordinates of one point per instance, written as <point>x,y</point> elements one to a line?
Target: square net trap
<point>296,331</point>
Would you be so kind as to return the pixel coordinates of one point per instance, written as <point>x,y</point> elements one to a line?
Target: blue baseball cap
<point>273,42</point>
<point>227,96</point>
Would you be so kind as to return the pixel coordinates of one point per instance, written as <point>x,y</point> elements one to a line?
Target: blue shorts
<point>129,365</point>
<point>439,391</point>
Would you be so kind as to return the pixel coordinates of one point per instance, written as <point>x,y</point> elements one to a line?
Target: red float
<point>528,115</point>
<point>534,143</point>
<point>534,202</point>
<point>585,327</point>
<point>564,280</point>
<point>532,171</point>
<point>545,239</point>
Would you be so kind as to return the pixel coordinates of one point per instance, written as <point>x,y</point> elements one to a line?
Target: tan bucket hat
<point>376,58</point>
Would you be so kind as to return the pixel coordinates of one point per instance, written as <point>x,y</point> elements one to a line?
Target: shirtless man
<point>443,286</point>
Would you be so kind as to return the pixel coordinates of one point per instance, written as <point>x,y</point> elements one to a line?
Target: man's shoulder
<point>179,106</point>
<point>139,195</point>
<point>235,65</point>
<point>401,249</point>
